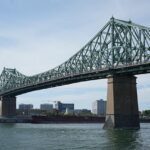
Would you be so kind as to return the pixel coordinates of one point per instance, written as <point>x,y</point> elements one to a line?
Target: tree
<point>146,113</point>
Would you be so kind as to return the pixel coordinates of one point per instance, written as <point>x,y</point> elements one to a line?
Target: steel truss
<point>119,44</point>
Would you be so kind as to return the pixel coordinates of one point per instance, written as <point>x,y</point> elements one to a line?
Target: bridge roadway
<point>120,50</point>
<point>93,75</point>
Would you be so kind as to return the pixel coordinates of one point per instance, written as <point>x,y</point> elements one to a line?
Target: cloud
<point>144,100</point>
<point>36,36</point>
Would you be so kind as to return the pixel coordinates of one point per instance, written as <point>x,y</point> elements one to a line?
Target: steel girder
<point>119,44</point>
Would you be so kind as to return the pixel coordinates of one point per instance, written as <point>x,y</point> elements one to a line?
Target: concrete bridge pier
<point>122,104</point>
<point>7,106</point>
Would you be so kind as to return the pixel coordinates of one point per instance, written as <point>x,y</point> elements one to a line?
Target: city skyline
<point>36,37</point>
<point>51,103</point>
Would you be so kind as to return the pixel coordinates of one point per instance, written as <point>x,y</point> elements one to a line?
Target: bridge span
<point>119,51</point>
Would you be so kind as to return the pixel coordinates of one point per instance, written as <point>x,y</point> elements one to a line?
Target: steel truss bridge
<point>120,47</point>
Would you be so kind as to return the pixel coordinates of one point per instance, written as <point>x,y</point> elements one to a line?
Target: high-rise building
<point>46,107</point>
<point>61,107</point>
<point>99,107</point>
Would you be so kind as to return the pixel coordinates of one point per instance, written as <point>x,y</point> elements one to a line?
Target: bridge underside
<point>122,105</point>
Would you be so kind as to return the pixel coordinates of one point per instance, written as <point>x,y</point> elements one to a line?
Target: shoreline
<point>59,119</point>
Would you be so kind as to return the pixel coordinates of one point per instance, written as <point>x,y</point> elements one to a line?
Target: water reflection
<point>123,139</point>
<point>7,125</point>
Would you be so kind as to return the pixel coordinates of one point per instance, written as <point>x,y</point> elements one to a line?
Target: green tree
<point>146,113</point>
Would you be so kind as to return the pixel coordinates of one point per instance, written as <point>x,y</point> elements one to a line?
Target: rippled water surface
<point>72,137</point>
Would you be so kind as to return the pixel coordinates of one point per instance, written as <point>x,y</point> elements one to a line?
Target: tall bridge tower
<point>122,102</point>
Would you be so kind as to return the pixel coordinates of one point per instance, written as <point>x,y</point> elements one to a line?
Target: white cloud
<point>144,98</point>
<point>47,38</point>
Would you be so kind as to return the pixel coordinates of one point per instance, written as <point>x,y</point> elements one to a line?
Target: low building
<point>25,106</point>
<point>61,107</point>
<point>82,112</point>
<point>69,111</point>
<point>99,107</point>
<point>46,107</point>
<point>25,109</point>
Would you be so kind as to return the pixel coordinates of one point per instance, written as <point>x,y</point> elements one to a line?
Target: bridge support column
<point>122,105</point>
<point>7,106</point>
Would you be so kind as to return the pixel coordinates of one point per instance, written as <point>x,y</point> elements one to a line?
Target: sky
<point>38,35</point>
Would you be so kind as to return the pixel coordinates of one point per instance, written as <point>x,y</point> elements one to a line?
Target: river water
<point>72,137</point>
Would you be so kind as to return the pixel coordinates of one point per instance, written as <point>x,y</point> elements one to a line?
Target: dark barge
<point>67,119</point>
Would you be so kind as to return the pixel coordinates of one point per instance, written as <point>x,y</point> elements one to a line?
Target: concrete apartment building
<point>46,107</point>
<point>99,107</point>
<point>25,109</point>
<point>25,106</point>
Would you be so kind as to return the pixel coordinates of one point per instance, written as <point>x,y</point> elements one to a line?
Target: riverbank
<point>60,119</point>
<point>54,119</point>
